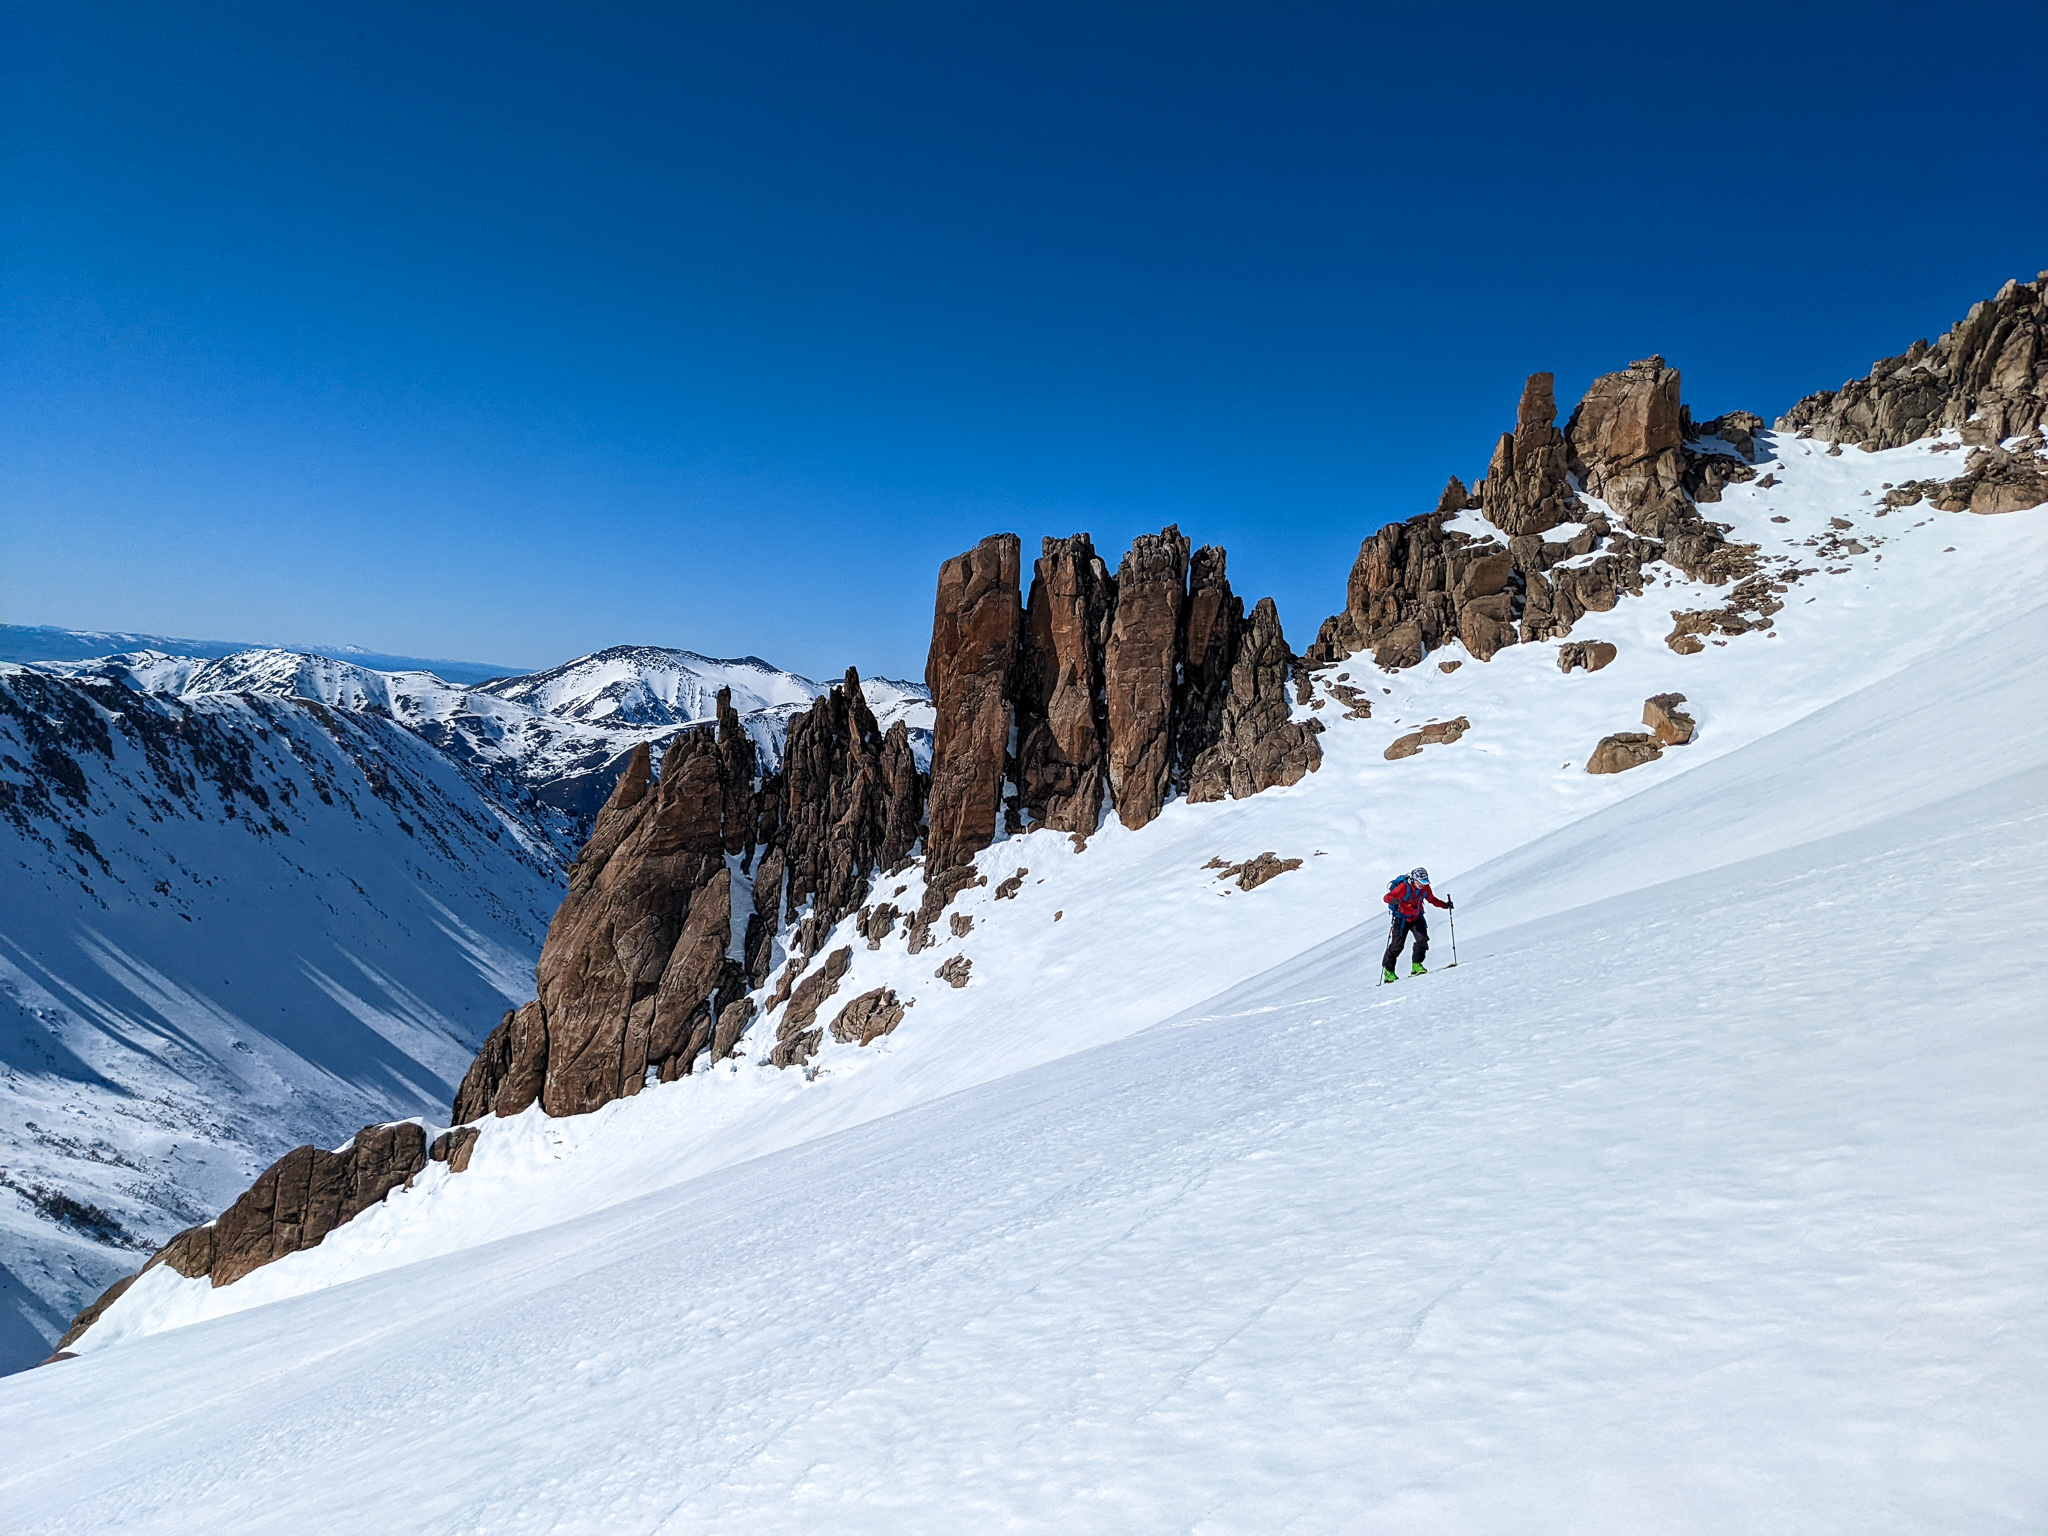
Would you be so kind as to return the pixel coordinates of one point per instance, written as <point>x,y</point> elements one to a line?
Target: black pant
<point>1397,934</point>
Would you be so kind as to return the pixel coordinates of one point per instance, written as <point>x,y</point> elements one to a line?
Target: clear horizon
<point>507,334</point>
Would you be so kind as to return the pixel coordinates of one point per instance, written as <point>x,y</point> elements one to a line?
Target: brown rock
<point>629,894</point>
<point>1253,873</point>
<point>1210,629</point>
<point>1138,672</point>
<point>1485,624</point>
<point>1987,375</point>
<point>1626,438</point>
<point>954,972</point>
<point>1257,745</point>
<point>868,1017</point>
<point>875,923</point>
<point>1621,752</point>
<point>1399,647</point>
<point>1525,490</point>
<point>1062,724</point>
<point>976,623</point>
<point>1668,724</point>
<point>1433,734</point>
<point>454,1147</point>
<point>837,807</point>
<point>795,1039</point>
<point>1007,890</point>
<point>733,1020</point>
<point>961,923</point>
<point>1590,654</point>
<point>1449,666</point>
<point>303,1196</point>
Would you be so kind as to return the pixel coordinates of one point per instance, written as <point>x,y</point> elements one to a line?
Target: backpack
<point>1400,892</point>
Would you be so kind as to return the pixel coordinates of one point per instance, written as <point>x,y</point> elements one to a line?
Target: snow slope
<point>1705,1194</point>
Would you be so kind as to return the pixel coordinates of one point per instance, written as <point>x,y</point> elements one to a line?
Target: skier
<point>1404,898</point>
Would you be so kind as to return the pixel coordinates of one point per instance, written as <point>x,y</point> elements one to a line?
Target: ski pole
<point>1454,940</point>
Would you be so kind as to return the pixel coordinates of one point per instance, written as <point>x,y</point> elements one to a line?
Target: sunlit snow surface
<point>1705,1194</point>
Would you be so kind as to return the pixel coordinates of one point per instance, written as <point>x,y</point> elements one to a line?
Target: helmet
<point>1419,875</point>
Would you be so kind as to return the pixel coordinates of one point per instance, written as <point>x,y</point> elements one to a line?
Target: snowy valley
<point>1008,1129</point>
<point>266,898</point>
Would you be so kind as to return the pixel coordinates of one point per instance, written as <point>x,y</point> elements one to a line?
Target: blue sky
<point>510,332</point>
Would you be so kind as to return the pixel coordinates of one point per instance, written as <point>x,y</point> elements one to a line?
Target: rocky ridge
<point>1099,693</point>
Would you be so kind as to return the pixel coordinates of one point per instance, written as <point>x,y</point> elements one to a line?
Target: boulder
<point>1139,672</point>
<point>1399,647</point>
<point>868,1017</point>
<point>796,1041</point>
<point>1626,438</point>
<point>1670,725</point>
<point>454,1147</point>
<point>1434,734</point>
<point>955,971</point>
<point>1623,751</point>
<point>1590,654</point>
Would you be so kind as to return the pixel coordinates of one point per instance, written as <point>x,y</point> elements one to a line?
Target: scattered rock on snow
<point>1590,654</point>
<point>868,1017</point>
<point>955,971</point>
<point>1442,731</point>
<point>1623,751</point>
<point>1670,725</point>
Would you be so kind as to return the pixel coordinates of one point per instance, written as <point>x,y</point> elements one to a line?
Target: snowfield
<point>1708,1192</point>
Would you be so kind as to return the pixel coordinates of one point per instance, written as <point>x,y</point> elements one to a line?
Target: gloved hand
<point>1449,905</point>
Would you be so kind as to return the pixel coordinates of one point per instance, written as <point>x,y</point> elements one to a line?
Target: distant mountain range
<point>31,643</point>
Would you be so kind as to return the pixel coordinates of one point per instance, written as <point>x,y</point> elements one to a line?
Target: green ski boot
<point>1417,970</point>
<point>1387,974</point>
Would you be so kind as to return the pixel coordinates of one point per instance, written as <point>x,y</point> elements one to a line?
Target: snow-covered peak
<point>651,685</point>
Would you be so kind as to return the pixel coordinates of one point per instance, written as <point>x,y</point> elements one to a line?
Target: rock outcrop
<point>1062,720</point>
<point>972,674</point>
<point>292,1206</point>
<point>1421,584</point>
<point>1139,672</point>
<point>1526,490</point>
<point>1993,481</point>
<point>1256,746</point>
<point>1986,375</point>
<point>1626,439</point>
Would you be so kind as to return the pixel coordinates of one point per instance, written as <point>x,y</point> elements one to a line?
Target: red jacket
<point>1407,897</point>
